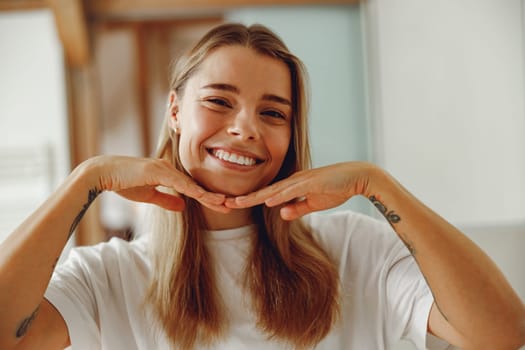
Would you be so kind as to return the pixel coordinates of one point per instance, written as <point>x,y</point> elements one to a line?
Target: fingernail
<point>217,196</point>
<point>240,199</point>
<point>270,201</point>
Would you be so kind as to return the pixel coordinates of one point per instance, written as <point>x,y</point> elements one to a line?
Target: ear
<point>173,109</point>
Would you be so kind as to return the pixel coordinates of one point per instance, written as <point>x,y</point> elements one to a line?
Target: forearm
<point>29,255</point>
<point>469,290</point>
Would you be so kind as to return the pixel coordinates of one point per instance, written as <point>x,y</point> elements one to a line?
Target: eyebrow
<point>220,86</point>
<point>278,99</point>
<point>235,89</point>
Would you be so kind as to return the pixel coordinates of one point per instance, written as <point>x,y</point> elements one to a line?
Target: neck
<point>220,221</point>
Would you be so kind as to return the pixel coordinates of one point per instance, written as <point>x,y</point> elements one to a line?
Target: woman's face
<point>234,120</point>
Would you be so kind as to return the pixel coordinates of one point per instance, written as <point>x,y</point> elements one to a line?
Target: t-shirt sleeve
<point>409,302</point>
<point>72,293</point>
<point>383,281</point>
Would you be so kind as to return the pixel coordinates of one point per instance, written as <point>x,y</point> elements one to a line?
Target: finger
<point>217,208</point>
<point>295,191</point>
<point>212,198</point>
<point>251,199</point>
<point>261,196</point>
<point>295,210</point>
<point>231,203</point>
<point>167,201</point>
<point>186,186</point>
<point>175,203</point>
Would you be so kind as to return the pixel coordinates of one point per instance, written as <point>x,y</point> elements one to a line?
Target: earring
<point>175,126</point>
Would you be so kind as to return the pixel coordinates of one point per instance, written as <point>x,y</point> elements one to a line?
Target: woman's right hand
<point>137,179</point>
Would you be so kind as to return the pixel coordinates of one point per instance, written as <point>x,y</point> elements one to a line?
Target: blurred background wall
<point>34,147</point>
<point>446,98</point>
<point>432,91</point>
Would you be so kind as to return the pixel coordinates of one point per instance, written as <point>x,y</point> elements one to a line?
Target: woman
<point>229,262</point>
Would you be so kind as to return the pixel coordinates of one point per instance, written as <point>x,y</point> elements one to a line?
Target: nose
<point>245,126</point>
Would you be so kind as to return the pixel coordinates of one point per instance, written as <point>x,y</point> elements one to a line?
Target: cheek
<point>196,127</point>
<point>200,122</point>
<point>187,139</point>
<point>193,127</point>
<point>280,147</point>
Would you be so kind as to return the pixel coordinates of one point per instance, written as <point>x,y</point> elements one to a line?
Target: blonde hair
<point>292,282</point>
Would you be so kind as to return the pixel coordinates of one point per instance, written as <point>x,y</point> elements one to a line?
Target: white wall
<point>33,120</point>
<point>450,104</point>
<point>447,105</point>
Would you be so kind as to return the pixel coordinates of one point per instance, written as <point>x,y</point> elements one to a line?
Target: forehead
<point>247,69</point>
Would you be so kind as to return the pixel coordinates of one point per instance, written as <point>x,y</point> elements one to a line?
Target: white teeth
<point>233,158</point>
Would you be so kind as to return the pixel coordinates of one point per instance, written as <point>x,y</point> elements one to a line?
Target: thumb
<point>295,210</point>
<point>167,201</point>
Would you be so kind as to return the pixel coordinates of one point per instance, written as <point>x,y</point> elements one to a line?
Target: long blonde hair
<point>293,284</point>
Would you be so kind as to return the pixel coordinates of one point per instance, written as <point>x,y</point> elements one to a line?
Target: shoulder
<point>114,248</point>
<point>95,275</point>
<point>115,256</point>
<point>101,287</point>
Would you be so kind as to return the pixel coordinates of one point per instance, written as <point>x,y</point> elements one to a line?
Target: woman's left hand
<point>310,190</point>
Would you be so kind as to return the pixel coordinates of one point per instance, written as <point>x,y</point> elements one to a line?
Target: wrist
<point>377,180</point>
<point>87,174</point>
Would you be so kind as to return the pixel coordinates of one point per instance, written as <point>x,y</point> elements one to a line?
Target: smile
<point>234,158</point>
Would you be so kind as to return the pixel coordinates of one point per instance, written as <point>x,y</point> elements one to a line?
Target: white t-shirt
<point>99,290</point>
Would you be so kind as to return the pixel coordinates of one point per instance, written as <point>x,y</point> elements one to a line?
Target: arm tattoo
<point>392,219</point>
<point>391,216</point>
<point>92,194</point>
<point>25,324</point>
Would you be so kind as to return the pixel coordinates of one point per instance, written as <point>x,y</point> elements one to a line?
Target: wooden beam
<point>72,30</point>
<point>19,5</point>
<point>84,124</point>
<point>162,24</point>
<point>102,9</point>
<point>142,88</point>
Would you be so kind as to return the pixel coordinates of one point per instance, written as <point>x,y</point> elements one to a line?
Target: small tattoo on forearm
<point>92,195</point>
<point>408,244</point>
<point>391,216</point>
<point>392,219</point>
<point>26,323</point>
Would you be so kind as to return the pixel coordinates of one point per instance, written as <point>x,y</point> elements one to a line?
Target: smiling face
<point>234,120</point>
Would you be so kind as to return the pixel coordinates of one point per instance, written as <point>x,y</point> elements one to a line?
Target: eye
<point>274,114</point>
<point>219,101</point>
